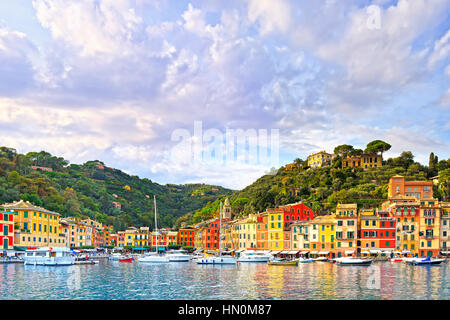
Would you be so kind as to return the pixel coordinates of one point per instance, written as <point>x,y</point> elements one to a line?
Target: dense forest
<point>323,188</point>
<point>93,190</point>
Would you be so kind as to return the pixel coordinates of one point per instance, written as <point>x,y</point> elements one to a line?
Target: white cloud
<point>271,15</point>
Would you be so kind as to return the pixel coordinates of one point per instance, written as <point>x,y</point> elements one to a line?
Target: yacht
<point>155,257</point>
<point>47,256</point>
<point>178,256</point>
<point>254,256</point>
<point>350,261</point>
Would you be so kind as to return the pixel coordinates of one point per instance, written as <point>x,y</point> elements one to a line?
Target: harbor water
<point>110,280</point>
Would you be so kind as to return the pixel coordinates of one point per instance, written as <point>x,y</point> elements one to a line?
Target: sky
<point>156,87</point>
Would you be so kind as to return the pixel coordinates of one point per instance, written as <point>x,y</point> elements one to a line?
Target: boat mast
<point>220,230</point>
<point>156,224</point>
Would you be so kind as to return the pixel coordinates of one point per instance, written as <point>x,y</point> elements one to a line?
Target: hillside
<point>90,190</point>
<point>323,188</point>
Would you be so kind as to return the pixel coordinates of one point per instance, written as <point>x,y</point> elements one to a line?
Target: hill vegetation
<point>323,188</point>
<point>90,190</point>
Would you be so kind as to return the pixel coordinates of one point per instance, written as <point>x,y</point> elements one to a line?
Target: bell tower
<point>226,213</point>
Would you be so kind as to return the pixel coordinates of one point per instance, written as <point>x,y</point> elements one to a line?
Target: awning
<point>374,251</point>
<point>324,252</point>
<point>304,252</point>
<point>284,252</point>
<point>445,252</point>
<point>314,252</point>
<point>405,251</point>
<point>139,249</point>
<point>275,252</point>
<point>293,251</point>
<point>349,251</point>
<point>365,252</point>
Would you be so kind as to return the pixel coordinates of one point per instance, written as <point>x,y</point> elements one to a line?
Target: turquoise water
<point>136,281</point>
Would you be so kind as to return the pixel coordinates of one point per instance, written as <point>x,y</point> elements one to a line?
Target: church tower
<point>226,213</point>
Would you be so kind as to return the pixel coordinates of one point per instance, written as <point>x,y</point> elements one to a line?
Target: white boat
<point>254,256</point>
<point>178,256</point>
<point>221,259</point>
<point>305,260</point>
<point>115,256</point>
<point>216,260</point>
<point>425,261</point>
<point>321,259</point>
<point>353,261</point>
<point>47,256</point>
<point>155,257</point>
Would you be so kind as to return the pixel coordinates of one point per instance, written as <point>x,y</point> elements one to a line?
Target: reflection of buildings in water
<point>387,280</point>
<point>326,279</point>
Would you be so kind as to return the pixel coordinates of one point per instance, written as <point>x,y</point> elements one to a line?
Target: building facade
<point>319,159</point>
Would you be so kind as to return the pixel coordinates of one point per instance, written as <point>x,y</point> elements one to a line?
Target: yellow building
<point>429,225</point>
<point>171,238</point>
<point>142,237</point>
<point>319,159</point>
<point>77,233</point>
<point>35,226</point>
<point>326,226</point>
<point>276,229</point>
<point>365,161</point>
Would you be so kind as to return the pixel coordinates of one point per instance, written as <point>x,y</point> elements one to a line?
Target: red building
<point>210,235</point>
<point>296,212</point>
<point>6,230</point>
<point>377,232</point>
<point>186,237</point>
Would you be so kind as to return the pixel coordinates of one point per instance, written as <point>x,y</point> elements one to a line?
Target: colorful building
<point>326,235</point>
<point>429,229</point>
<point>418,189</point>
<point>262,232</point>
<point>346,229</point>
<point>6,230</point>
<point>300,236</point>
<point>364,161</point>
<point>35,226</point>
<point>445,228</point>
<point>406,210</point>
<point>319,159</point>
<point>142,237</point>
<point>186,237</point>
<point>376,232</point>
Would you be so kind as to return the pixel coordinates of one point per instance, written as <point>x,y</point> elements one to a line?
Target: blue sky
<point>114,80</point>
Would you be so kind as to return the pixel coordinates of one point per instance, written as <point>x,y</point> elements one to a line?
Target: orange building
<point>186,237</point>
<point>418,189</point>
<point>262,232</point>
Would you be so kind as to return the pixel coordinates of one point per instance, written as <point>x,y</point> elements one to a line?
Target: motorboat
<point>321,259</point>
<point>178,256</point>
<point>216,260</point>
<point>254,256</point>
<point>126,259</point>
<point>305,260</point>
<point>48,256</point>
<point>282,262</point>
<point>350,261</point>
<point>154,258</point>
<point>115,256</point>
<point>425,261</point>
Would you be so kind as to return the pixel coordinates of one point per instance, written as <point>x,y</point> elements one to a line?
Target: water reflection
<point>114,280</point>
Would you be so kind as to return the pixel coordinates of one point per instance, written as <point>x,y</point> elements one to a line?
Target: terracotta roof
<point>26,205</point>
<point>347,206</point>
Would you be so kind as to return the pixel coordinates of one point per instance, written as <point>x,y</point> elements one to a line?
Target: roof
<point>346,206</point>
<point>26,205</point>
<point>324,219</point>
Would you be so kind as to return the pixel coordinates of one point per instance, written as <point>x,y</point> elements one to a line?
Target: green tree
<point>377,146</point>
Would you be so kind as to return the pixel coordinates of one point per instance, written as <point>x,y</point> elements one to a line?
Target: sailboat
<point>155,258</point>
<point>221,259</point>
